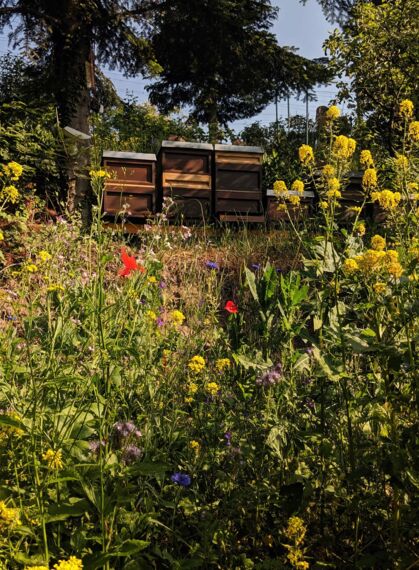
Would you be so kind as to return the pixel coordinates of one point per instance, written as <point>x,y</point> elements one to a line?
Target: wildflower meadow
<point>198,398</point>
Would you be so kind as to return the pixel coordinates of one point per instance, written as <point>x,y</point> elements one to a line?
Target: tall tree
<point>220,59</point>
<point>63,33</point>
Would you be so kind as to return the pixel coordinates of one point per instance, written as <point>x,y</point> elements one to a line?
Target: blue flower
<point>212,265</point>
<point>181,479</point>
<point>255,266</point>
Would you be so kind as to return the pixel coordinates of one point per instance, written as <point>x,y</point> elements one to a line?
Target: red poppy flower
<point>130,264</point>
<point>231,307</point>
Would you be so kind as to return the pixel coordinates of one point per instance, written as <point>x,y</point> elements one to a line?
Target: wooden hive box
<point>238,183</point>
<point>132,185</point>
<point>185,174</point>
<point>275,215</point>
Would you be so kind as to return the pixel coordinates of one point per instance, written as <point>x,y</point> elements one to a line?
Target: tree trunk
<point>213,124</point>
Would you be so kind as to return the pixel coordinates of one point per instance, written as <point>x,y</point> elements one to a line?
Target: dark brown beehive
<point>132,186</point>
<point>185,174</point>
<point>238,183</point>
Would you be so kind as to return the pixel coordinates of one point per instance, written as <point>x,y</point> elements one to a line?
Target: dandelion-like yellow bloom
<point>222,363</point>
<point>387,199</point>
<point>151,279</point>
<point>212,388</point>
<point>99,174</point>
<point>350,265</point>
<point>328,171</point>
<point>10,193</point>
<point>332,113</point>
<point>306,155</point>
<point>366,159</point>
<point>9,517</point>
<point>280,188</point>
<point>402,162</point>
<point>379,287</point>
<point>195,445</point>
<point>177,318</point>
<point>378,243</point>
<point>323,205</point>
<point>369,179</point>
<point>72,563</point>
<point>44,256</point>
<point>360,229</point>
<point>294,200</point>
<point>414,131</point>
<point>196,364</point>
<point>54,459</point>
<point>343,147</point>
<point>406,109</point>
<point>298,186</point>
<point>14,170</point>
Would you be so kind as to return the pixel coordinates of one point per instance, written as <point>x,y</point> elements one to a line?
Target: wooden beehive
<point>304,209</point>
<point>185,174</point>
<point>132,185</point>
<point>238,183</point>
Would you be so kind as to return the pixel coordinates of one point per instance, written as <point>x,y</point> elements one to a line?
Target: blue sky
<point>301,26</point>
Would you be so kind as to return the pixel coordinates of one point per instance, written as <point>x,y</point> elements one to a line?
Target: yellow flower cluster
<point>294,200</point>
<point>30,267</point>
<point>222,363</point>
<point>355,209</point>
<point>280,188</point>
<point>8,430</point>
<point>196,364</point>
<point>306,155</point>
<point>369,179</point>
<point>360,229</point>
<point>53,288</point>
<point>402,162</point>
<point>212,388</point>
<point>150,316</point>
<point>366,159</point>
<point>387,199</point>
<point>10,193</point>
<point>44,256</point>
<point>195,446</point>
<point>54,459</point>
<point>99,174</point>
<point>379,287</point>
<point>378,243</point>
<point>295,533</point>
<point>328,171</point>
<point>343,147</point>
<point>350,265</point>
<point>9,517</point>
<point>406,109</point>
<point>13,170</point>
<point>298,186</point>
<point>323,205</point>
<point>373,261</point>
<point>332,113</point>
<point>177,318</point>
<point>414,131</point>
<point>72,563</point>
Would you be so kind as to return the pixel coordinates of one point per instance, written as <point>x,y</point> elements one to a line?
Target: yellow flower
<point>412,187</point>
<point>10,193</point>
<point>72,563</point>
<point>378,243</point>
<point>282,208</point>
<point>369,180</point>
<point>294,200</point>
<point>343,147</point>
<point>1,236</point>
<point>323,205</point>
<point>9,517</point>
<point>177,318</point>
<point>151,279</point>
<point>402,162</point>
<point>366,159</point>
<point>30,268</point>
<point>54,459</point>
<point>333,184</point>
<point>44,256</point>
<point>195,446</point>
<point>212,388</point>
<point>414,131</point>
<point>298,186</point>
<point>387,199</point>
<point>53,288</point>
<point>14,170</point>
<point>370,260</point>
<point>150,316</point>
<point>188,400</point>
<point>350,265</point>
<point>196,364</point>
<point>379,287</point>
<point>328,171</point>
<point>295,530</point>
<point>333,194</point>
<point>8,430</point>
<point>395,269</point>
<point>360,229</point>
<point>99,174</point>
<point>406,109</point>
<point>332,113</point>
<point>355,209</point>
<point>280,188</point>
<point>306,155</point>
<point>222,363</point>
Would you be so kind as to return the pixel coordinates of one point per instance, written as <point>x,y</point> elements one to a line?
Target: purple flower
<point>181,479</point>
<point>131,453</point>
<point>309,350</point>
<point>162,285</point>
<point>160,322</point>
<point>212,265</point>
<point>124,429</point>
<point>271,377</point>
<point>255,266</point>
<point>227,436</point>
<point>95,445</point>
